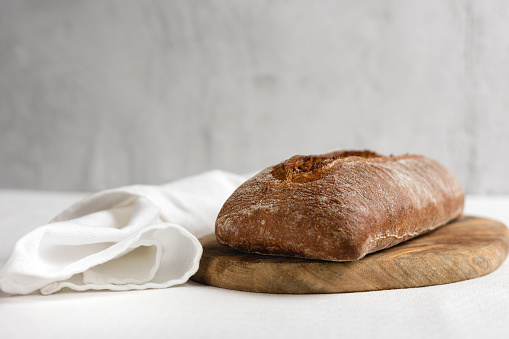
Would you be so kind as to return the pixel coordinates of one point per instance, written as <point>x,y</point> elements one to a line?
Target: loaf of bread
<point>339,206</point>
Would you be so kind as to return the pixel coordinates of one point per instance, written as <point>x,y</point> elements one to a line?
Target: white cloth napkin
<point>133,237</point>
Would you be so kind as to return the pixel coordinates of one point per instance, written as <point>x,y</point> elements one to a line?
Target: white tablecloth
<point>478,308</point>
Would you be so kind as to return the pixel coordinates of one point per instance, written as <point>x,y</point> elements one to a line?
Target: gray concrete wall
<point>96,94</point>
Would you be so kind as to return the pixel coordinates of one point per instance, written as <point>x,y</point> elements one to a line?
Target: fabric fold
<point>133,237</point>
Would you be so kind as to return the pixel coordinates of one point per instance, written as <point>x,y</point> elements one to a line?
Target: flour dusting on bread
<point>339,206</point>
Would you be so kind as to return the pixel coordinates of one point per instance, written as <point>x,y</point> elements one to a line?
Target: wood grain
<point>467,248</point>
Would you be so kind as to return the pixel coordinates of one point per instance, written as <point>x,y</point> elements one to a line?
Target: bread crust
<point>339,206</point>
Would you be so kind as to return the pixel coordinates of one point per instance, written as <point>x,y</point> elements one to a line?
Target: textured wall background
<point>95,94</point>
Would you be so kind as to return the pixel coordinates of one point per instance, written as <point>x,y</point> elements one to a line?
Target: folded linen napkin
<point>133,237</point>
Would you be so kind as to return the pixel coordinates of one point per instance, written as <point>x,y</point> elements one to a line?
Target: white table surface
<point>477,308</point>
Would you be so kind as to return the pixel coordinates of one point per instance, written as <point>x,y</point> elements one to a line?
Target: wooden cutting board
<point>464,249</point>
